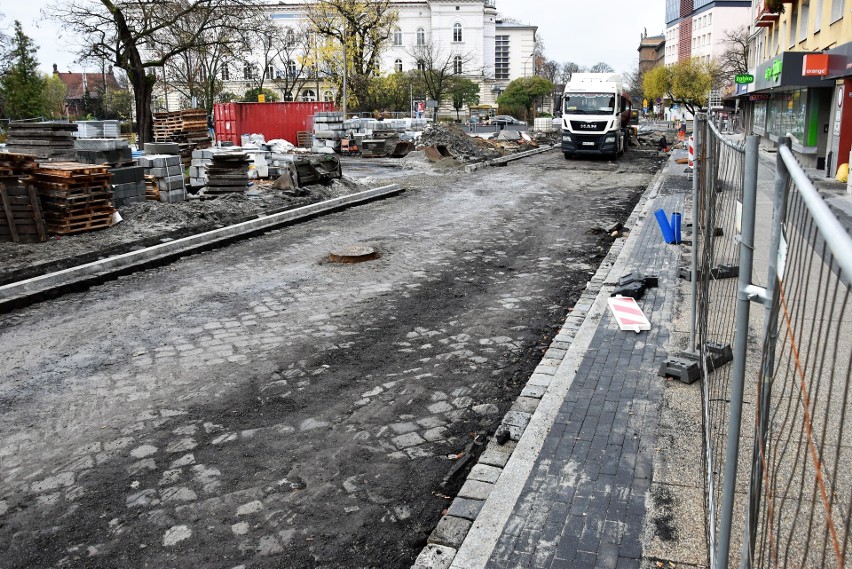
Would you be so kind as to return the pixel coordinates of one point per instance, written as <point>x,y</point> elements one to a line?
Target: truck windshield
<point>588,103</point>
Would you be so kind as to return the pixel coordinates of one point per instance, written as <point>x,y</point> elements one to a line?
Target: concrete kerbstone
<point>435,556</point>
<point>450,531</point>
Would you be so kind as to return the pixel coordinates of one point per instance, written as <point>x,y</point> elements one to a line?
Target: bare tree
<point>138,36</point>
<point>566,70</point>
<point>601,67</point>
<point>437,68</point>
<point>734,60</point>
<point>549,69</point>
<point>287,59</point>
<point>364,26</point>
<point>199,72</point>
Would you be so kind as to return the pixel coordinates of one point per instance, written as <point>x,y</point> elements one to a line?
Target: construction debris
<point>459,143</point>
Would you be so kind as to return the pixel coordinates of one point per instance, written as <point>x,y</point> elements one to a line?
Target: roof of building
<point>76,84</point>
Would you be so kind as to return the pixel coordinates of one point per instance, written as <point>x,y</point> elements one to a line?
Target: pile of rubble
<point>458,142</point>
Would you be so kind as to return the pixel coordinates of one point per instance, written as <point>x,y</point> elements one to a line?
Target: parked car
<point>504,120</point>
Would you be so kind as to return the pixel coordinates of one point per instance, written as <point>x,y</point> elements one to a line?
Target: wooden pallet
<point>21,219</point>
<point>80,225</point>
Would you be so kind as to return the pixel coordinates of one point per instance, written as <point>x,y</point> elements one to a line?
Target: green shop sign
<point>744,78</point>
<point>773,71</point>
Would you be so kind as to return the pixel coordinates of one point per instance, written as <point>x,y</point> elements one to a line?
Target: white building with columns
<point>494,52</point>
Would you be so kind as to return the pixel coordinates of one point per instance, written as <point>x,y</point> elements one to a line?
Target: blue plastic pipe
<point>665,227</point>
<point>676,227</point>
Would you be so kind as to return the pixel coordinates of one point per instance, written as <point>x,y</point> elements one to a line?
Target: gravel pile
<point>459,142</point>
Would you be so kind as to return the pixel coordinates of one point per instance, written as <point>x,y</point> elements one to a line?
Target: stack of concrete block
<point>98,129</point>
<point>328,129</point>
<point>167,172</point>
<point>128,185</point>
<point>103,150</point>
<point>201,159</point>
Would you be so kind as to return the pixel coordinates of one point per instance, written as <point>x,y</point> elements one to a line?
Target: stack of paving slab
<point>166,171</point>
<point>44,140</point>
<point>328,129</point>
<point>228,173</point>
<point>128,185</point>
<point>103,150</point>
<point>98,129</point>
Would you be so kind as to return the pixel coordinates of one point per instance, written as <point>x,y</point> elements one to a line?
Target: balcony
<point>765,18</point>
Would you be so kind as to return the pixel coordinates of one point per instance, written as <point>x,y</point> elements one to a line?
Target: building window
<point>501,57</point>
<point>270,72</point>
<point>421,66</point>
<point>397,66</point>
<point>836,10</point>
<point>457,65</point>
<point>328,96</point>
<point>457,32</point>
<point>794,24</point>
<point>804,16</point>
<point>226,74</point>
<point>291,68</point>
<point>289,38</point>
<point>308,96</point>
<point>421,36</point>
<point>248,71</point>
<point>287,95</point>
<point>397,37</point>
<point>817,15</point>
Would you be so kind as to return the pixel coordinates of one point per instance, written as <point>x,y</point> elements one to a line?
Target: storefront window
<point>786,113</point>
<point>760,116</point>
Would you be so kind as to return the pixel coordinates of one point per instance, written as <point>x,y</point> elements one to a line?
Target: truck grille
<point>588,126</point>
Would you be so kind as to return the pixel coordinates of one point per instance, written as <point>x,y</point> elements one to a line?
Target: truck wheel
<point>568,155</point>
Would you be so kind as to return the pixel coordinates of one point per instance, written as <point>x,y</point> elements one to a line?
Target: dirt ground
<point>259,406</point>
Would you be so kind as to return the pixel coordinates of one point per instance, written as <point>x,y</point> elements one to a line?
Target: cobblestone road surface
<point>258,406</point>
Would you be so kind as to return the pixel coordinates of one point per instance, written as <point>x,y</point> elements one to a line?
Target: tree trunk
<point>143,87</point>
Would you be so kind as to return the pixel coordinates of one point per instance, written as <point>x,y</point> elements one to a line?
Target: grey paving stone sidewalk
<point>584,503</point>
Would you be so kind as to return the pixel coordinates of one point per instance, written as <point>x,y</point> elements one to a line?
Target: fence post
<point>739,351</point>
<point>698,164</point>
<point>770,337</point>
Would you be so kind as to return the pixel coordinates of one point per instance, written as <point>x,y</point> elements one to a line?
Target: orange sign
<point>815,65</point>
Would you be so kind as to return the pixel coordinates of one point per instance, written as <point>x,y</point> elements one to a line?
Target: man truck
<point>595,115</point>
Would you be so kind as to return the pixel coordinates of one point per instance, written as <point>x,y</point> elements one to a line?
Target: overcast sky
<point>582,31</point>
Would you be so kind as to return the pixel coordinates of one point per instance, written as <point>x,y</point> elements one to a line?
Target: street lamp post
<point>527,61</point>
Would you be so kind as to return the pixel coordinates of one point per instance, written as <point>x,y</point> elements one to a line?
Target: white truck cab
<point>595,114</point>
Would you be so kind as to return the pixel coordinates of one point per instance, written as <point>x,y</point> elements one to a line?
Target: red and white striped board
<point>691,151</point>
<point>628,314</point>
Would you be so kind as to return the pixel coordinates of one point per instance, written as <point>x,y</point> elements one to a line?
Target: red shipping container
<point>272,120</point>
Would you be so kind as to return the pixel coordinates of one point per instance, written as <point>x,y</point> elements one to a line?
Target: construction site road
<point>261,406</point>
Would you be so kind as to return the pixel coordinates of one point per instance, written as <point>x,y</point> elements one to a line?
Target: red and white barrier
<point>691,151</point>
<point>628,314</point>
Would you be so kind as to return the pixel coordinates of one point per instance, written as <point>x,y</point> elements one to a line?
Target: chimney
<point>55,70</point>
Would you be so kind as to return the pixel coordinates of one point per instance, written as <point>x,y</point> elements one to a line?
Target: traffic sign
<point>744,78</point>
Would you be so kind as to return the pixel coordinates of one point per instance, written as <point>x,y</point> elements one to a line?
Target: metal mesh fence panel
<point>720,178</point>
<point>801,498</point>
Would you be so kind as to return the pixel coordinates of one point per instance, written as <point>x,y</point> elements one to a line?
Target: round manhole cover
<point>353,254</point>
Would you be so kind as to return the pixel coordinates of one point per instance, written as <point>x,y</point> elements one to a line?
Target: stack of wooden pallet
<point>45,140</point>
<point>75,197</point>
<point>21,220</point>
<point>188,126</point>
